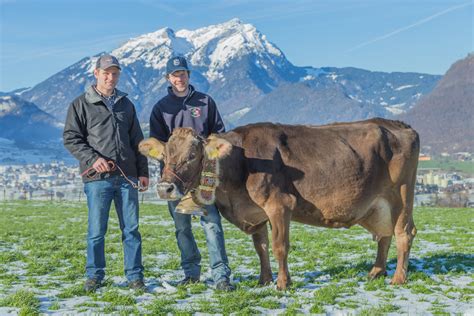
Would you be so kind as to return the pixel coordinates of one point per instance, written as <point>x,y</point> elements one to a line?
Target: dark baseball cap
<point>106,61</point>
<point>176,63</point>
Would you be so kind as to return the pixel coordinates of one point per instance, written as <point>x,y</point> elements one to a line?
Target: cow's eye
<point>192,156</point>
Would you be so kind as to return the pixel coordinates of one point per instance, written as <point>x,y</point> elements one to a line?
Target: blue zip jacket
<point>197,110</point>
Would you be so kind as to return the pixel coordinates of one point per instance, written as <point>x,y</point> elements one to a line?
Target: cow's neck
<point>206,191</point>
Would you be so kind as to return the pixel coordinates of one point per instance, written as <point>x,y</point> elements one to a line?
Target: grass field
<point>43,254</point>
<point>449,165</point>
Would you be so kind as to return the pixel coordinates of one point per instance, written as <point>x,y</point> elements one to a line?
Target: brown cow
<point>333,176</point>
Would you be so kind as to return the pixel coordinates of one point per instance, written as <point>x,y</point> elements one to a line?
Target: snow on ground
<point>408,301</point>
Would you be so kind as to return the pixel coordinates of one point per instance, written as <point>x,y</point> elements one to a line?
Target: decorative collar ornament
<point>205,194</point>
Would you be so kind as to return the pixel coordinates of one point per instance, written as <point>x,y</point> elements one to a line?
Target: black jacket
<point>197,110</point>
<point>92,130</point>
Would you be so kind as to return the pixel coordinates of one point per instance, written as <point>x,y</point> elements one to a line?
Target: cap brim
<point>111,65</point>
<point>178,69</point>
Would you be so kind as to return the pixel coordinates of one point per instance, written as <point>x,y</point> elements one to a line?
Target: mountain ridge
<point>24,121</point>
<point>445,117</point>
<point>236,65</point>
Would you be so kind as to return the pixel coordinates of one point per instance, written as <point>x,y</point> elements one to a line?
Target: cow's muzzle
<point>168,191</point>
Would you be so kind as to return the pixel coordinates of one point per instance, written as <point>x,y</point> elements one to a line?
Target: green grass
<point>23,299</point>
<point>161,306</point>
<point>448,165</point>
<point>43,255</point>
<point>378,310</point>
<point>116,298</point>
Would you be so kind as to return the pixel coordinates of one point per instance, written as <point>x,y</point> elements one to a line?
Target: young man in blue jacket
<point>186,107</point>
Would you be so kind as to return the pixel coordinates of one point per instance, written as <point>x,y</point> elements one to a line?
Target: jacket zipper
<point>115,131</point>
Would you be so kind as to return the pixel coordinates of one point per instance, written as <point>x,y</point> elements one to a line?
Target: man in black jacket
<point>102,132</point>
<point>186,107</point>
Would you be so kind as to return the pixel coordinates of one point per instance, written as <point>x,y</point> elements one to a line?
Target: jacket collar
<point>93,97</point>
<point>190,92</point>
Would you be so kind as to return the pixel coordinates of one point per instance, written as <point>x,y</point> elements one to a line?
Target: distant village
<point>47,181</point>
<point>59,181</point>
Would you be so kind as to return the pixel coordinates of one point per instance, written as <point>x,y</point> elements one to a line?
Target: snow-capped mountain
<point>244,72</point>
<point>24,121</point>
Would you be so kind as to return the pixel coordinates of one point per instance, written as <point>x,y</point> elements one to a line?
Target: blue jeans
<point>190,256</point>
<point>100,194</point>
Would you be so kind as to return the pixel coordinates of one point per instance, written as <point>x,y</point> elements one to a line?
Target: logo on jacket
<point>195,112</point>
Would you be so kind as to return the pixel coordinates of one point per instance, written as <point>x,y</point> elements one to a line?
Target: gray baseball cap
<point>106,61</point>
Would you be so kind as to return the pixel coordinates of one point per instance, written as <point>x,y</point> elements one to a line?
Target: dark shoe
<point>225,286</point>
<point>137,285</point>
<point>188,281</point>
<point>91,285</point>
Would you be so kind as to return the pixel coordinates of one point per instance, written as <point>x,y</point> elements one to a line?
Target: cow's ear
<point>217,148</point>
<point>152,148</point>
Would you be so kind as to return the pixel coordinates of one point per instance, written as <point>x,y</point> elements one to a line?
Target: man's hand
<point>144,182</point>
<point>101,165</point>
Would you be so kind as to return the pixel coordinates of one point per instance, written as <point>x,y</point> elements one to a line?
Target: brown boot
<point>189,207</point>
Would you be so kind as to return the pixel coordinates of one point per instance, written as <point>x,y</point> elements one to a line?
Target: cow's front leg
<point>260,242</point>
<point>280,221</point>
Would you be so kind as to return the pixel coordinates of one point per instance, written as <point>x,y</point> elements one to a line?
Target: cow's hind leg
<point>405,232</point>
<point>379,268</point>
<point>280,246</point>
<point>280,221</point>
<point>260,242</point>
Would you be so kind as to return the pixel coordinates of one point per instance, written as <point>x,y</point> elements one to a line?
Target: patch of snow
<point>237,114</point>
<point>23,91</point>
<point>73,77</point>
<point>404,87</point>
<point>355,98</point>
<point>6,104</point>
<point>430,247</point>
<point>90,64</point>
<point>306,78</point>
<point>395,111</point>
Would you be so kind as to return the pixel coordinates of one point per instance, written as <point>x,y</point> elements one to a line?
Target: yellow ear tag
<point>214,154</point>
<point>154,153</point>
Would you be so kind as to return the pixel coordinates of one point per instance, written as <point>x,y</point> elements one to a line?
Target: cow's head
<point>183,157</point>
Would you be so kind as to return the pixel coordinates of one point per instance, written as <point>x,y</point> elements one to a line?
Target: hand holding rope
<point>92,173</point>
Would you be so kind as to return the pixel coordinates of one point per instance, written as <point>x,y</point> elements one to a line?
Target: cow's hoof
<point>398,280</point>
<point>283,285</point>
<point>265,281</point>
<point>376,273</point>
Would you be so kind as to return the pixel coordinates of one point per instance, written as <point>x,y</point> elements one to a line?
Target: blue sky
<point>39,38</point>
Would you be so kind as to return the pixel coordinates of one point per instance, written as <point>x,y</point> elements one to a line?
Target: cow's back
<point>331,173</point>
